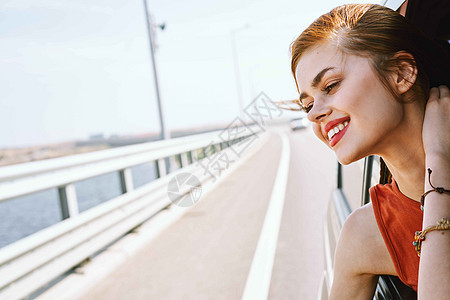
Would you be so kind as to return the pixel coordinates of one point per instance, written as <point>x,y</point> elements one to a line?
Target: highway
<point>207,252</point>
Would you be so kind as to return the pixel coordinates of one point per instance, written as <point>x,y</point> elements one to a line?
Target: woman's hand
<point>434,274</point>
<point>436,125</point>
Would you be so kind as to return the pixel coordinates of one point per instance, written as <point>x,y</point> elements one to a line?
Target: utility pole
<point>164,131</point>
<point>237,72</point>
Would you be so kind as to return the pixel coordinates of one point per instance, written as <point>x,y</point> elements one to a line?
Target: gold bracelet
<point>442,224</point>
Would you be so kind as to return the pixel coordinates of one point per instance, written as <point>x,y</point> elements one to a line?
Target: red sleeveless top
<point>398,218</point>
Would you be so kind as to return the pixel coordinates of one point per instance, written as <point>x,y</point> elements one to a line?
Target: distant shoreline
<point>11,156</point>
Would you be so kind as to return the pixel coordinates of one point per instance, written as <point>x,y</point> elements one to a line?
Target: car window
<point>352,180</point>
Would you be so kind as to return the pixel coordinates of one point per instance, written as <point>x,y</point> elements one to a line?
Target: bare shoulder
<point>360,256</point>
<point>362,238</point>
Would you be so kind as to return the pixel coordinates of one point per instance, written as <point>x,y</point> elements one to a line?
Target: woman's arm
<point>434,268</point>
<point>360,253</point>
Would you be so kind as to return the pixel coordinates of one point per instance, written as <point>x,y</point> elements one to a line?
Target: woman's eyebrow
<point>316,81</point>
<point>319,76</point>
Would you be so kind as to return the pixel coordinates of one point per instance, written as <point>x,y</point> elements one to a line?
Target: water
<point>22,216</point>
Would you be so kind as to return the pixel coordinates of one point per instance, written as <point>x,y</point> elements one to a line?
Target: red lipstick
<point>337,137</point>
<point>333,123</point>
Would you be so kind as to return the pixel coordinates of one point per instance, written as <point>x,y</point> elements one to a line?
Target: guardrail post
<point>68,201</point>
<point>194,155</point>
<point>172,164</point>
<point>184,160</point>
<point>161,167</point>
<point>126,180</point>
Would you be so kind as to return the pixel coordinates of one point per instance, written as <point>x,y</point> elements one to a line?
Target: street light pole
<point>164,131</point>
<point>237,72</point>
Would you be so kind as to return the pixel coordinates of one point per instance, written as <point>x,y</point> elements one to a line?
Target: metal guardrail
<point>19,178</point>
<point>32,262</point>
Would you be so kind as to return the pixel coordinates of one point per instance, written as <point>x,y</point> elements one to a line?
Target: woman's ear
<point>405,73</point>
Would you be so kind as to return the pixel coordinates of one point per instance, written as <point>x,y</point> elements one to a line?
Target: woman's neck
<point>409,175</point>
<point>405,157</point>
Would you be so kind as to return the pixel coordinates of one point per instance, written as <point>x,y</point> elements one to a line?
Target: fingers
<point>434,94</point>
<point>444,92</point>
<point>439,93</point>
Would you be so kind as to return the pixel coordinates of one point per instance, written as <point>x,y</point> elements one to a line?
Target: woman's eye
<point>329,88</point>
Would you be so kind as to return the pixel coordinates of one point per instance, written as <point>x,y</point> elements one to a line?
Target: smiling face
<point>351,111</point>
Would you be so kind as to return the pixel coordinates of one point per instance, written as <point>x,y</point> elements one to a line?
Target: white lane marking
<point>258,280</point>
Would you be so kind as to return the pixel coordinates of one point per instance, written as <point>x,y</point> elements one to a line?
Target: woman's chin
<point>344,162</point>
<point>345,159</point>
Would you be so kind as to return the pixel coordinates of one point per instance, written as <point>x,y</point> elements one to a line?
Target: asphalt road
<point>207,253</point>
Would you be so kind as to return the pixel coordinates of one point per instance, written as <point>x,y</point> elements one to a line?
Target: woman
<point>364,76</point>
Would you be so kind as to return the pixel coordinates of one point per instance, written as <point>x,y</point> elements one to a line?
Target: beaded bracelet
<point>440,190</point>
<point>442,224</point>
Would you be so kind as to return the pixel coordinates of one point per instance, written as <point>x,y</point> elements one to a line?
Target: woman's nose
<point>319,111</point>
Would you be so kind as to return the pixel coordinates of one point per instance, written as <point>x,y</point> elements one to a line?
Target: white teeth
<point>336,129</point>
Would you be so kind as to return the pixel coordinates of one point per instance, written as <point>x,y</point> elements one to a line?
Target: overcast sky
<point>72,68</point>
